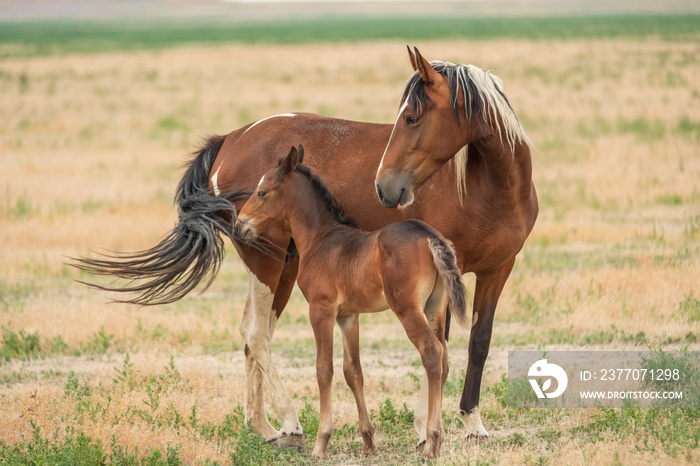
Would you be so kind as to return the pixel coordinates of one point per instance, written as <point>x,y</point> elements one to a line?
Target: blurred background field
<point>101,108</point>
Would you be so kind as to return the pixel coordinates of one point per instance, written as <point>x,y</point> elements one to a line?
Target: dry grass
<point>91,149</point>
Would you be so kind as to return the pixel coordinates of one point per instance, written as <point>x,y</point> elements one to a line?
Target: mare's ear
<point>427,72</point>
<point>412,57</point>
<point>289,163</point>
<point>300,154</point>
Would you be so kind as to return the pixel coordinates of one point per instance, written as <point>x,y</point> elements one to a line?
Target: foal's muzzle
<point>244,230</point>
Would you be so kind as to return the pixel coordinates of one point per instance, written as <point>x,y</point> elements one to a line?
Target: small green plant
<point>75,389</point>
<point>72,449</point>
<point>391,420</point>
<point>309,418</point>
<point>690,308</point>
<point>500,390</point>
<point>125,376</point>
<point>98,343</point>
<point>21,345</point>
<point>687,127</point>
<point>23,208</point>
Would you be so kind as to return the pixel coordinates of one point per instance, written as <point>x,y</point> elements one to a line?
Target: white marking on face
<point>213,181</point>
<point>403,107</point>
<point>261,181</point>
<point>268,118</point>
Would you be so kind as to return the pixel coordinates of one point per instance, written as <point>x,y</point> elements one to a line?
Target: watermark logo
<point>543,370</point>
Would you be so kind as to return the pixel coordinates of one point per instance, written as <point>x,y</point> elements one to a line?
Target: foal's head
<point>271,198</point>
<point>290,187</point>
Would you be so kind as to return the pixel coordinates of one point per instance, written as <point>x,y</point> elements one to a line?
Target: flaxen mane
<point>485,92</point>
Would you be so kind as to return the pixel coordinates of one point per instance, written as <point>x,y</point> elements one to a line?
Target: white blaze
<point>403,107</point>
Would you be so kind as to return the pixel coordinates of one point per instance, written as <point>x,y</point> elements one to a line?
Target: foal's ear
<point>300,154</point>
<point>420,64</point>
<point>290,162</point>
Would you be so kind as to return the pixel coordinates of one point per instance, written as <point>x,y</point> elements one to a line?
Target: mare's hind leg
<point>257,327</point>
<point>352,370</point>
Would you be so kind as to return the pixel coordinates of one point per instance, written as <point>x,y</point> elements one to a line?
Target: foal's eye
<point>261,193</point>
<point>411,119</point>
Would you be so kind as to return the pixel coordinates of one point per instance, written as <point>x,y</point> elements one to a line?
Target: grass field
<point>53,37</point>
<point>92,146</point>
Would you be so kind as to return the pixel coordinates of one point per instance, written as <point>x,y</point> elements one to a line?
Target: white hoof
<point>474,427</point>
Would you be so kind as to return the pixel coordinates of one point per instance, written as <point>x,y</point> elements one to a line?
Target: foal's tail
<point>186,255</point>
<point>446,263</point>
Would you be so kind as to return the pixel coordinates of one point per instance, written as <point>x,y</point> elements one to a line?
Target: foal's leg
<point>486,293</point>
<point>420,422</point>
<point>352,369</point>
<point>435,314</point>
<point>420,413</point>
<point>431,352</point>
<point>322,323</point>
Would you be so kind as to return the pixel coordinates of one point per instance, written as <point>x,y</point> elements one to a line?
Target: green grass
<point>50,37</point>
<point>22,345</point>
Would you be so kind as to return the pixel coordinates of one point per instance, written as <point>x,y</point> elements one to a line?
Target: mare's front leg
<point>265,300</point>
<point>352,369</point>
<point>486,293</point>
<point>322,317</point>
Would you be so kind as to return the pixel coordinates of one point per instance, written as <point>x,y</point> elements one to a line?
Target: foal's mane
<point>329,201</point>
<point>485,92</point>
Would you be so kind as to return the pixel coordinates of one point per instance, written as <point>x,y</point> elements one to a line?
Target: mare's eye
<point>411,119</point>
<point>261,193</point>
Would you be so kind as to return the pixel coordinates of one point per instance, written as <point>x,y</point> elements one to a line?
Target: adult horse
<point>484,202</point>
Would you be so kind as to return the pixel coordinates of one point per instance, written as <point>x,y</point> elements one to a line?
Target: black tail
<point>186,255</point>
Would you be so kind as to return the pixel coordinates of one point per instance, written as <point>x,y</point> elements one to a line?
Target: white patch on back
<point>213,181</point>
<point>265,119</point>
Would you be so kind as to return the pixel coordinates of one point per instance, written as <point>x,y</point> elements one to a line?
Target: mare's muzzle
<point>395,189</point>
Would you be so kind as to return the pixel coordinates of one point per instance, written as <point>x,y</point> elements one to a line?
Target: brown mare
<point>344,271</point>
<point>486,198</point>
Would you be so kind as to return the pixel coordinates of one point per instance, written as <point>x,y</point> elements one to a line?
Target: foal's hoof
<point>289,441</point>
<point>369,450</point>
<point>427,453</point>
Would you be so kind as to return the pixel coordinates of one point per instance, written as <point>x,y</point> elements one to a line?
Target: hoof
<point>474,439</point>
<point>369,451</point>
<point>289,441</point>
<point>420,446</point>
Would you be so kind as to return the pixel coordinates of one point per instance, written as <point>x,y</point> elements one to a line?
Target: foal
<point>344,271</point>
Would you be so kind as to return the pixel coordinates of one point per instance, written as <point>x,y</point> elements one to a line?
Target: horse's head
<point>270,199</point>
<point>427,134</point>
<point>444,108</point>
